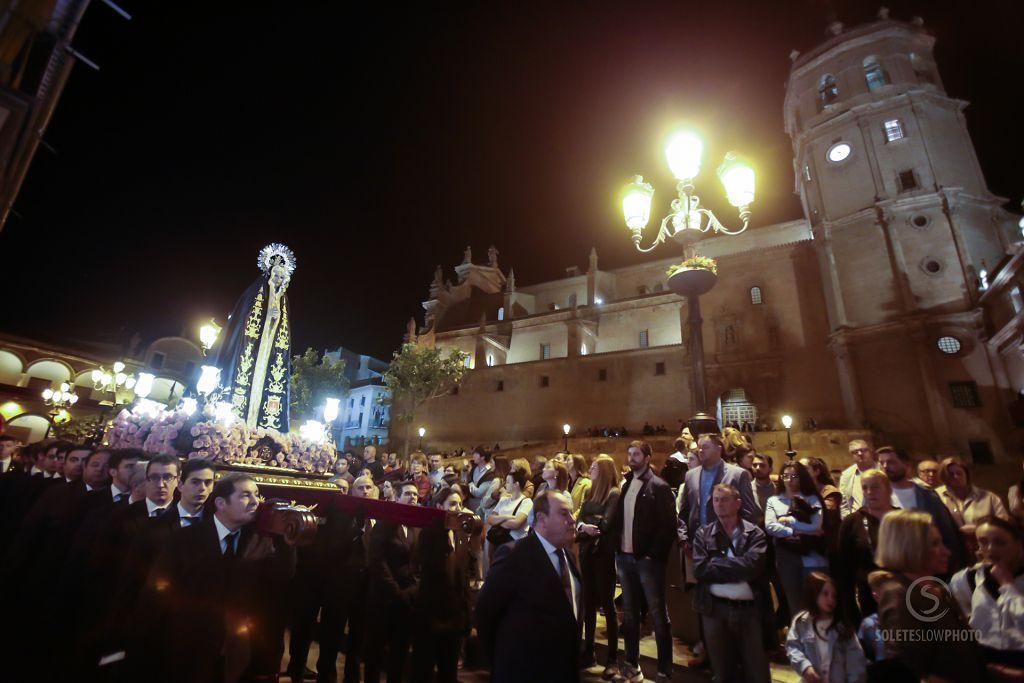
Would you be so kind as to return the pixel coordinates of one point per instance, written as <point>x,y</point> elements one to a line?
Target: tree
<point>315,378</point>
<point>418,374</point>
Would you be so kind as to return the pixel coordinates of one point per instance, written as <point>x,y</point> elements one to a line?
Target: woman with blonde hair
<point>579,481</point>
<point>912,600</point>
<point>597,560</point>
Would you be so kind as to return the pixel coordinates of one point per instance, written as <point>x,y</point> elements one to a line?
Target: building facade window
<point>755,296</point>
<point>893,130</point>
<point>1016,300</point>
<point>490,360</point>
<point>545,381</point>
<point>644,339</point>
<point>807,173</point>
<point>948,345</point>
<point>659,368</point>
<point>828,91</point>
<point>158,361</point>
<point>501,313</point>
<point>545,351</point>
<point>501,385</point>
<point>468,362</point>
<point>965,394</point>
<point>874,74</point>
<point>602,375</point>
<point>583,349</point>
<point>907,180</point>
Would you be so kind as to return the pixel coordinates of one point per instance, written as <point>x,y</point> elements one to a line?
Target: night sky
<point>379,141</point>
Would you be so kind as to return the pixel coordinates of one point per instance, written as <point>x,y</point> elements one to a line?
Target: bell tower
<point>903,225</point>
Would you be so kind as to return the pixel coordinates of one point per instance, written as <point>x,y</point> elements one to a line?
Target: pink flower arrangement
<point>218,440</point>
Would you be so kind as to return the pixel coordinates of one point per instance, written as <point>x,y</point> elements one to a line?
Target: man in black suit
<point>531,603</point>
<point>194,487</point>
<point>392,592</point>
<point>8,448</point>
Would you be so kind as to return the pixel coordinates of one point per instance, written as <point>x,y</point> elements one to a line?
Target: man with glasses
<point>849,481</point>
<point>135,537</point>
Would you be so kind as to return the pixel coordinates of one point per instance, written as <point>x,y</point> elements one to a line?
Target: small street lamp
<point>565,430</point>
<point>208,334</point>
<point>687,222</point>
<point>787,423</point>
<point>422,432</point>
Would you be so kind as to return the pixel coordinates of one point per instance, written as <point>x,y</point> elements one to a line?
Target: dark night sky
<point>378,142</point>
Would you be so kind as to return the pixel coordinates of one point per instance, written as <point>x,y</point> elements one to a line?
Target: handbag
<point>802,511</point>
<point>499,535</point>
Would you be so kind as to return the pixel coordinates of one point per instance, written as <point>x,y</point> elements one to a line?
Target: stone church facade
<point>870,311</point>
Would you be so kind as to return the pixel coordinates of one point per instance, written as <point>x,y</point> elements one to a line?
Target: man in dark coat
<point>204,592</point>
<point>529,611</point>
<point>393,584</point>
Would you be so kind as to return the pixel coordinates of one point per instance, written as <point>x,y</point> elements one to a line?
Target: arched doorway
<point>735,406</point>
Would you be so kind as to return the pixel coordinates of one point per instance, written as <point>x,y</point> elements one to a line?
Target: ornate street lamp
<point>687,222</point>
<point>116,381</point>
<point>566,428</point>
<point>208,334</point>
<point>422,432</point>
<point>59,401</point>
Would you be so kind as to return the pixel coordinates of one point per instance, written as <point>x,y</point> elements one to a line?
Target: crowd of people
<point>122,565</point>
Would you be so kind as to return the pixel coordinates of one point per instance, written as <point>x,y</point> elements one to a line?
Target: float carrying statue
<point>254,351</point>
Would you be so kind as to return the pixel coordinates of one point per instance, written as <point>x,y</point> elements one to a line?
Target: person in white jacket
<point>819,648</point>
<point>991,593</point>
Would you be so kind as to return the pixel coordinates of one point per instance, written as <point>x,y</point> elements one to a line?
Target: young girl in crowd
<point>821,648</point>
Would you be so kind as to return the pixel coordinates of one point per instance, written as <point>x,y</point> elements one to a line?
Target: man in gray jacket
<point>696,509</point>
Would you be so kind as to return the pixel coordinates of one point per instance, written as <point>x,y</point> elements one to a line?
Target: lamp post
<point>687,222</point>
<point>422,433</point>
<point>60,401</point>
<point>565,430</point>
<point>787,423</point>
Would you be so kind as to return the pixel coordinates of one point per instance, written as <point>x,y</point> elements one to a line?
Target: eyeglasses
<point>789,477</point>
<point>158,478</point>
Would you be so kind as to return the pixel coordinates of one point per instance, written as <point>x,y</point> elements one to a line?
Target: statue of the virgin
<point>254,351</point>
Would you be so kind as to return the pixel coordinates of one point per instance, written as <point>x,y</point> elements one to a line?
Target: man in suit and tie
<point>206,584</point>
<point>194,487</point>
<point>531,603</point>
<point>8,447</point>
<point>392,592</point>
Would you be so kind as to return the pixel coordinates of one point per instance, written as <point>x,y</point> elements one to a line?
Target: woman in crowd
<point>992,592</point>
<point>508,520</point>
<point>387,490</point>
<point>858,540</point>
<point>579,481</point>
<point>555,477</point>
<point>733,440</point>
<point>911,553</point>
<point>820,646</point>
<point>523,465</point>
<point>967,502</point>
<point>830,494</point>
<point>793,519</point>
<point>597,561</point>
<point>494,490</point>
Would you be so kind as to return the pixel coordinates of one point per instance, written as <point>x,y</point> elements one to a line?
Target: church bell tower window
<point>893,130</point>
<point>828,91</point>
<point>874,74</point>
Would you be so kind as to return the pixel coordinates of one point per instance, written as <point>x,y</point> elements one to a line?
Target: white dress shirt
<point>151,507</point>
<point>186,518</point>
<point>574,583</point>
<point>5,464</point>
<point>115,492</point>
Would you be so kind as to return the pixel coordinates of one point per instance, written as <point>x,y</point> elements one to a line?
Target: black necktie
<point>229,544</point>
<point>158,512</point>
<point>187,521</point>
<point>563,566</point>
<point>120,498</point>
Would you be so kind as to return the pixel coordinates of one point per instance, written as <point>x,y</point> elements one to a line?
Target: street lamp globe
<point>144,384</point>
<point>331,409</point>
<point>636,203</point>
<point>787,421</point>
<point>209,378</point>
<point>683,152</point>
<point>738,180</point>
<point>422,432</point>
<point>566,429</point>
<point>47,394</point>
<point>97,376</point>
<point>118,367</point>
<point>208,334</point>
